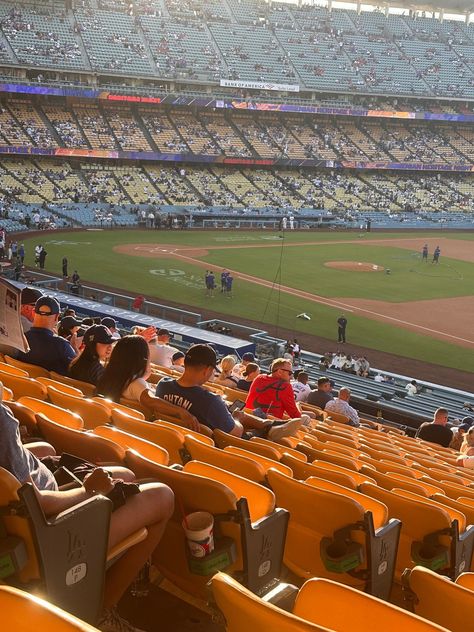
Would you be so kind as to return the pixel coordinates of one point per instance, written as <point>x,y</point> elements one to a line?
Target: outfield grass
<point>91,252</point>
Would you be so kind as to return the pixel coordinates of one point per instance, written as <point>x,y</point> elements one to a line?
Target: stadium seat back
<point>243,610</point>
<point>257,547</point>
<point>128,441</point>
<point>92,413</point>
<point>23,386</point>
<point>331,534</point>
<point>66,555</point>
<point>438,599</point>
<point>432,534</point>
<point>224,439</point>
<point>168,439</point>
<point>12,370</point>
<point>320,600</point>
<point>85,387</point>
<point>58,386</point>
<point>55,413</point>
<point>33,370</point>
<point>25,416</point>
<point>261,460</point>
<point>24,612</point>
<point>236,463</point>
<point>84,445</point>
<point>280,447</point>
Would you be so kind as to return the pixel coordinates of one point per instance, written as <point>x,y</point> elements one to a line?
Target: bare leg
<point>152,508</point>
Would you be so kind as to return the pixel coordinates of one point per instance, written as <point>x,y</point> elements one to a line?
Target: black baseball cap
<point>69,321</point>
<point>98,333</point>
<point>164,332</point>
<point>29,295</point>
<point>47,306</point>
<point>109,322</point>
<point>201,355</point>
<point>248,357</point>
<point>177,356</point>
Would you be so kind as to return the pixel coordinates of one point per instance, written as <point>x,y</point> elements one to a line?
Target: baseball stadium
<point>236,337</point>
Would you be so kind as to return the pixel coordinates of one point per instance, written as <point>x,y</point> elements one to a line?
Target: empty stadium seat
<point>92,413</point>
<point>33,370</point>
<point>321,606</point>
<point>439,599</point>
<point>54,413</point>
<point>84,445</point>
<point>23,386</point>
<point>129,441</point>
<point>236,463</point>
<point>337,533</point>
<point>432,534</point>
<point>24,612</point>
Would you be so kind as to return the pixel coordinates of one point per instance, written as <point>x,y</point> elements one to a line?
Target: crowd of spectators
<point>367,52</point>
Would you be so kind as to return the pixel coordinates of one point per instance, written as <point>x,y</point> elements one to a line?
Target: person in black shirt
<point>341,328</point>
<point>250,373</point>
<point>87,367</point>
<point>436,431</point>
<point>322,395</point>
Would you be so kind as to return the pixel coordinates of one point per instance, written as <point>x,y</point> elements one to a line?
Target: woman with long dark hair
<point>88,365</point>
<point>125,376</point>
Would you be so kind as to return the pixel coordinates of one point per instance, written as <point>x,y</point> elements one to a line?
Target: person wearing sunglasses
<point>273,394</point>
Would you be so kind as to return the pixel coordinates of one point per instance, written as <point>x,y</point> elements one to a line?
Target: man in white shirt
<point>161,352</point>
<point>412,388</point>
<point>341,405</point>
<point>301,388</point>
<point>379,378</point>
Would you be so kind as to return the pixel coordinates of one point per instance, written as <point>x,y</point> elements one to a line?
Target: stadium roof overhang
<point>448,6</point>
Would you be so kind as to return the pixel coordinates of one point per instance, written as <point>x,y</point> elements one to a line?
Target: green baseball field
<point>394,300</point>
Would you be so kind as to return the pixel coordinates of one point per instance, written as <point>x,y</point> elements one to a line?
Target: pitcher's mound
<point>354,266</point>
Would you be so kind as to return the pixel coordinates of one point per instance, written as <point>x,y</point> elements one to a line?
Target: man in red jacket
<point>273,393</point>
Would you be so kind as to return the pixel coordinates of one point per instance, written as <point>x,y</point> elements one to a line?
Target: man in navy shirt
<point>199,365</point>
<point>187,391</point>
<point>46,348</point>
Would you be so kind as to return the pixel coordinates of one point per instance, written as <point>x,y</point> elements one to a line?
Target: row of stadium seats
<point>243,135</point>
<point>34,189</point>
<point>354,506</point>
<point>313,47</point>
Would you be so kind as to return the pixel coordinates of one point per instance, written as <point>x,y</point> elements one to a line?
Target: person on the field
<point>436,254</point>
<point>424,253</point>
<point>341,328</point>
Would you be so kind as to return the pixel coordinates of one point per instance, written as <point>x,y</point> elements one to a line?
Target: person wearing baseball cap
<point>200,362</point>
<point>29,296</point>
<point>111,325</point>
<point>88,366</point>
<point>47,349</point>
<point>161,352</point>
<point>239,368</point>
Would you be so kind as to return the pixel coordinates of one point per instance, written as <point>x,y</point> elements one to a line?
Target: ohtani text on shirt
<point>179,400</point>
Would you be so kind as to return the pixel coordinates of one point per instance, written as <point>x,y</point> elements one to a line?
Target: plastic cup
<point>198,528</point>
